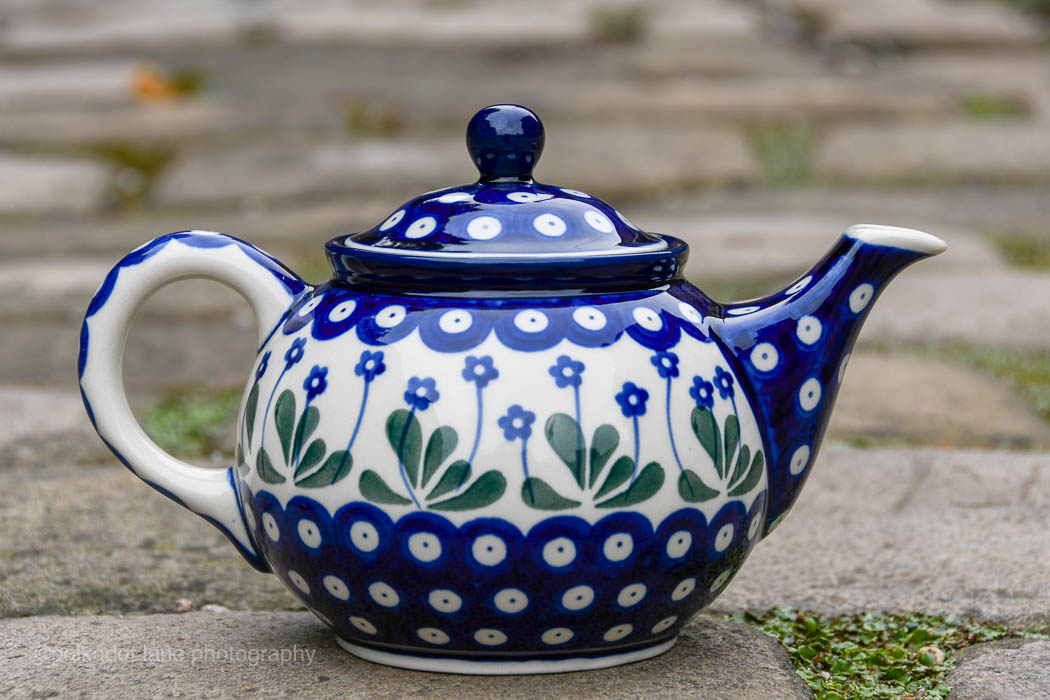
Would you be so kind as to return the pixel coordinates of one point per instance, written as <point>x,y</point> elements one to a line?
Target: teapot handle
<point>268,287</point>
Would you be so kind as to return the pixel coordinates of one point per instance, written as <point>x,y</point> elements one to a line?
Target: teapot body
<point>540,480</point>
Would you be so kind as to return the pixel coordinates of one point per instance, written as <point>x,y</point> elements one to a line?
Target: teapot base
<point>501,665</point>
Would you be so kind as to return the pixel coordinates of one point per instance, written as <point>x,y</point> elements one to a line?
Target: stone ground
<point>755,130</point>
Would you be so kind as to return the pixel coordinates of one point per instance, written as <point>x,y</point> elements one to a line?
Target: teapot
<point>507,436</point>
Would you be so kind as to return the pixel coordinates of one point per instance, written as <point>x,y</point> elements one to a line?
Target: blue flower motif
<point>370,365</point>
<point>703,392</point>
<point>262,366</point>
<point>632,399</point>
<point>316,383</point>
<point>566,372</point>
<point>421,393</point>
<point>480,370</point>
<point>724,382</point>
<point>666,363</point>
<point>517,423</point>
<point>295,353</point>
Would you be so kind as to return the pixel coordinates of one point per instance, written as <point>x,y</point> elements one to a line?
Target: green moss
<point>784,152</point>
<point>618,23</point>
<point>1028,250</point>
<point>368,117</point>
<point>869,655</point>
<point>193,425</point>
<point>136,166</point>
<point>742,287</point>
<point>980,105</point>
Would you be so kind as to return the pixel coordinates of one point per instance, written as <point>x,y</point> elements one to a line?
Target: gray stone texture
<point>1003,672</point>
<point>50,184</point>
<point>229,655</point>
<point>948,531</point>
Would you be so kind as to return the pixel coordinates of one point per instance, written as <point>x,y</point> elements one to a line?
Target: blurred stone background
<point>757,130</point>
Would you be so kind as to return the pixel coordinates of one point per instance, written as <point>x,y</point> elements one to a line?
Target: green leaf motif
<point>305,428</point>
<point>375,489</point>
<point>314,454</point>
<point>440,446</point>
<point>620,472</point>
<point>455,476</point>
<point>540,495</point>
<point>742,461</point>
<point>603,444</point>
<point>265,469</point>
<point>706,431</point>
<point>284,418</point>
<point>565,436</point>
<point>732,434</point>
<point>692,489</point>
<point>643,488</point>
<point>335,468</point>
<point>249,411</point>
<point>486,490</point>
<point>752,476</point>
<point>405,438</point>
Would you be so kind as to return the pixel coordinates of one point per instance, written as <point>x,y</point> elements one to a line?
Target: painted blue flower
<point>421,393</point>
<point>632,399</point>
<point>566,372</point>
<point>262,366</point>
<point>666,363</point>
<point>517,424</point>
<point>370,365</point>
<point>703,392</point>
<point>724,382</point>
<point>295,353</point>
<point>316,383</point>
<point>480,370</point>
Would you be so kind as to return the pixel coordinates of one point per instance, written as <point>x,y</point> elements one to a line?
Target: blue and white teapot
<point>507,436</point>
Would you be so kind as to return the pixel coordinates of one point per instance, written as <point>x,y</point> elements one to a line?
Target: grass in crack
<point>874,655</point>
<point>193,425</point>
<point>785,153</point>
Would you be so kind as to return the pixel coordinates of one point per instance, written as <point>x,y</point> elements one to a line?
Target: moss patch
<point>1027,250</point>
<point>981,105</point>
<point>784,152</point>
<point>193,425</point>
<point>618,23</point>
<point>870,655</point>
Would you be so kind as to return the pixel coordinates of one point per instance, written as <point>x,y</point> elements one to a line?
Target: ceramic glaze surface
<point>507,437</point>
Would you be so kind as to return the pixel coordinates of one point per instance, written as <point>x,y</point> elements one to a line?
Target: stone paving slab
<point>644,160</point>
<point>74,84</point>
<point>951,150</point>
<point>917,22</point>
<point>1020,669</point>
<point>154,124</point>
<point>51,184</point>
<point>197,654</point>
<point>950,531</point>
<point>917,401</point>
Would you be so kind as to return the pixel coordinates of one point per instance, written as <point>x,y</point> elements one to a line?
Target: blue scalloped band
<point>655,319</point>
<point>485,588</point>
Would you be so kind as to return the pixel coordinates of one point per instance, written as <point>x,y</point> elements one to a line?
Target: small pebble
<point>213,608</point>
<point>937,654</point>
<point>183,605</point>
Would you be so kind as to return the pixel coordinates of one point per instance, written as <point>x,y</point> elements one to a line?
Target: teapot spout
<point>793,346</point>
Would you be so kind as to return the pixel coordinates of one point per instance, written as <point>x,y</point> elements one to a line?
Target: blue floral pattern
<point>316,382</point>
<point>263,365</point>
<point>724,382</point>
<point>517,423</point>
<point>421,393</point>
<point>632,400</point>
<point>666,363</point>
<point>370,365</point>
<point>294,353</point>
<point>480,370</point>
<point>703,392</point>
<point>567,372</point>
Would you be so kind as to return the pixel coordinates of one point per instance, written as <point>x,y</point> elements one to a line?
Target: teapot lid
<point>506,231</point>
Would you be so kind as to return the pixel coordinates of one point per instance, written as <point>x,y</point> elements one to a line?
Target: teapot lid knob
<point>505,141</point>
